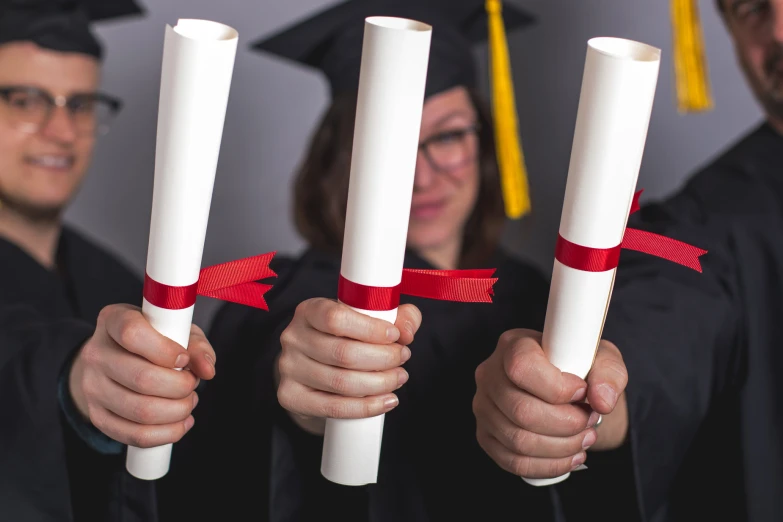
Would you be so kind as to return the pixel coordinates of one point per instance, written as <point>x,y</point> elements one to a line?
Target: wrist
<point>75,377</point>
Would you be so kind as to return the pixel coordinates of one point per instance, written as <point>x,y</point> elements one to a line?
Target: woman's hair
<point>321,186</point>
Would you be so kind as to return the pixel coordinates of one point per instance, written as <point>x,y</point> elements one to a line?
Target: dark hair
<point>321,186</point>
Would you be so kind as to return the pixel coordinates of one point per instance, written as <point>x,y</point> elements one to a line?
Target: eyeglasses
<point>31,108</point>
<point>751,15</point>
<point>451,149</point>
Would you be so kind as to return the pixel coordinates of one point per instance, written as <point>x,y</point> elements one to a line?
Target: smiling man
<point>53,282</point>
<point>702,414</point>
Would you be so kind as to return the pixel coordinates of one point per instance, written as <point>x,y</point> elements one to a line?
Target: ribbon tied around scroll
<point>590,259</point>
<point>467,286</point>
<point>234,281</point>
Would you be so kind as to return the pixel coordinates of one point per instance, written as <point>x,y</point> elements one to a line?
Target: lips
<point>51,161</point>
<point>428,210</point>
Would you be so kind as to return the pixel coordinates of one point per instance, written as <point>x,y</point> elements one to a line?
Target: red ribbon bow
<point>233,281</point>
<point>590,259</point>
<point>467,286</point>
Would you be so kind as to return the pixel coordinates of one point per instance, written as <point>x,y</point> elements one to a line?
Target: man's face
<point>44,149</point>
<point>756,26</point>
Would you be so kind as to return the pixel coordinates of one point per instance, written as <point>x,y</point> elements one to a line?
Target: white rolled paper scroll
<point>615,104</point>
<point>395,55</point>
<point>198,62</point>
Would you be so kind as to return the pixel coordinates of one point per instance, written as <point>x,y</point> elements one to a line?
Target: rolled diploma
<point>395,55</point>
<point>198,61</point>
<point>615,104</point>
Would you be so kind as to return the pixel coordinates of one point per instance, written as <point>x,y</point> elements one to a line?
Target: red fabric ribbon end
<point>233,281</point>
<point>590,259</point>
<point>467,286</point>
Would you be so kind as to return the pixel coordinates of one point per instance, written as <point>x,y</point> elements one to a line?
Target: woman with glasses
<point>323,360</point>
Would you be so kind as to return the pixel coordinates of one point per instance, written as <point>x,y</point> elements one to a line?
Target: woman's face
<point>447,171</point>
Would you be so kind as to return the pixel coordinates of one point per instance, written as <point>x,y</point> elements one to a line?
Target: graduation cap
<point>60,25</point>
<point>331,41</point>
<point>690,61</point>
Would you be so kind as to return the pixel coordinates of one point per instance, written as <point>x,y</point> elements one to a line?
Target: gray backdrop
<point>274,105</point>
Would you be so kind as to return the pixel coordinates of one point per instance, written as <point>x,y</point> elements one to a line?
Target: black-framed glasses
<point>451,149</point>
<point>31,108</point>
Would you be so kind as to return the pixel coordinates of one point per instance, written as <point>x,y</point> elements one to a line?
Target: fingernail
<point>392,334</point>
<point>189,422</point>
<point>580,394</point>
<point>210,360</point>
<point>593,420</point>
<point>391,402</point>
<point>578,460</point>
<point>195,399</point>
<point>608,394</point>
<point>589,439</point>
<point>406,353</point>
<point>402,378</point>
<point>182,361</point>
<point>198,381</point>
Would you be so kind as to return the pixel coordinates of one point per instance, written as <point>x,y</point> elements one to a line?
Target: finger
<point>528,443</point>
<point>607,379</point>
<point>202,355</point>
<point>314,403</point>
<point>337,319</point>
<point>408,323</point>
<point>528,467</point>
<point>129,329</point>
<point>343,352</point>
<point>138,435</point>
<point>533,414</point>
<point>340,381</point>
<point>144,377</point>
<point>527,366</point>
<point>144,409</point>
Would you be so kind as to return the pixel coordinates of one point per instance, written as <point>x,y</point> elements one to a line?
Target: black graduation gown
<point>705,351</point>
<point>431,468</point>
<point>47,473</point>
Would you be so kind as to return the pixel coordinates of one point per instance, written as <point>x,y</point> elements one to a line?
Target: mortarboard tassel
<point>690,63</point>
<point>511,161</point>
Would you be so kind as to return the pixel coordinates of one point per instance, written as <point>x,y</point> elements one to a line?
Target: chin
<point>427,237</point>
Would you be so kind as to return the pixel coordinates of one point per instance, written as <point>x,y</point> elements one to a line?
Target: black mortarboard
<point>331,40</point>
<point>60,25</point>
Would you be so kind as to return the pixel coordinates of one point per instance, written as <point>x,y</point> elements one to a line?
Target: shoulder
<point>737,184</point>
<point>90,254</point>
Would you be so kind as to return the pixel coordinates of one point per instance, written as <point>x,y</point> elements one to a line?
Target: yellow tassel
<point>511,161</point>
<point>690,63</point>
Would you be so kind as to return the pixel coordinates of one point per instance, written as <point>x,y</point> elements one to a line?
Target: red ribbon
<point>233,281</point>
<point>602,259</point>
<point>466,286</point>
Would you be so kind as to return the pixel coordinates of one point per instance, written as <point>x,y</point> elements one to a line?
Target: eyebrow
<point>459,112</point>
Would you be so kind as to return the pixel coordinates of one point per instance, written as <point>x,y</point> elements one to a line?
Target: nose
<point>425,174</point>
<point>60,127</point>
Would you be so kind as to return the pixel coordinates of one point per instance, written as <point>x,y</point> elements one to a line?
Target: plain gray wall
<point>274,105</point>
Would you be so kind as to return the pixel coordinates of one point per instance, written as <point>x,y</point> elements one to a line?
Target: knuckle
<point>335,409</point>
<point>343,355</point>
<point>521,441</point>
<point>141,438</point>
<point>285,364</point>
<point>516,366</point>
<point>521,412</point>
<point>97,416</point>
<point>338,383</point>
<point>335,318</point>
<point>557,467</point>
<point>143,378</point>
<point>129,330</point>
<point>480,373</point>
<point>143,412</point>
<point>521,466</point>
<point>288,337</point>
